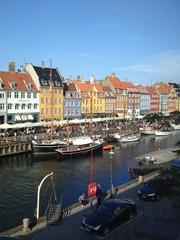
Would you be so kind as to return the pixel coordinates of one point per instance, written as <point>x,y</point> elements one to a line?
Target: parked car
<point>108,214</point>
<point>153,189</point>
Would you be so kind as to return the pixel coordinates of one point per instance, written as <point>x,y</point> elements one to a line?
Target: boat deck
<point>162,157</point>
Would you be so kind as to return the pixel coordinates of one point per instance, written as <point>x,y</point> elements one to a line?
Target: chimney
<point>92,79</point>
<point>42,64</point>
<point>12,67</point>
<point>113,75</point>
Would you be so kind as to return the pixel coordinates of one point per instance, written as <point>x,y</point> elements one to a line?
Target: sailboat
<point>44,146</point>
<point>81,145</point>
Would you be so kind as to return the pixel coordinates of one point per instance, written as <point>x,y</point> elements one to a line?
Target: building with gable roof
<point>72,101</point>
<point>144,100</point>
<point>110,101</point>
<point>3,107</point>
<point>167,97</point>
<point>21,102</point>
<point>49,82</point>
<point>176,88</point>
<point>127,102</point>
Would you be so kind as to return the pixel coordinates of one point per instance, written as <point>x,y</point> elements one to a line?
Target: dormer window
<point>28,85</point>
<point>13,85</point>
<point>1,83</point>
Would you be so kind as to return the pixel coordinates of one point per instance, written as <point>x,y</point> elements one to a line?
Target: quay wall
<point>76,207</point>
<point>11,148</point>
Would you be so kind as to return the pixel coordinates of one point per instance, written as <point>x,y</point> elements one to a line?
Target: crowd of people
<point>72,130</point>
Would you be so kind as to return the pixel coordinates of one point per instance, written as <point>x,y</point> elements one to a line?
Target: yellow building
<point>92,99</point>
<point>50,85</point>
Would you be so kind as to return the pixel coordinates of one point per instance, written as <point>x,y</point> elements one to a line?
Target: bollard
<point>26,224</point>
<point>140,178</point>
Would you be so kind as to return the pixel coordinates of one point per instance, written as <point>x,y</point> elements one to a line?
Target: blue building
<point>72,101</point>
<point>144,101</point>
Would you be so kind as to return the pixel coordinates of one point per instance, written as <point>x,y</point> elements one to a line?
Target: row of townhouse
<point>40,93</point>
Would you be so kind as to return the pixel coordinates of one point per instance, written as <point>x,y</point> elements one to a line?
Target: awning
<point>30,117</point>
<point>17,118</point>
<point>24,117</point>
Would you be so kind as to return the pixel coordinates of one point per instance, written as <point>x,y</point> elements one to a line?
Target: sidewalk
<point>158,220</point>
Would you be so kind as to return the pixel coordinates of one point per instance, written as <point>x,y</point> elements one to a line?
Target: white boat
<point>163,133</point>
<point>80,146</point>
<point>148,131</point>
<point>175,126</point>
<point>117,136</point>
<point>130,138</point>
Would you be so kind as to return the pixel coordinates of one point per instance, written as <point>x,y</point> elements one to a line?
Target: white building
<point>21,99</point>
<point>2,103</point>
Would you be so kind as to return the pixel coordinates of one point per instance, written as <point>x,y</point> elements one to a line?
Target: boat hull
<point>176,127</point>
<point>65,153</point>
<point>46,147</point>
<point>129,139</point>
<point>163,133</point>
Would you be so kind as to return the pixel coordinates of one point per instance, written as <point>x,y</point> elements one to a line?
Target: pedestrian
<point>83,200</point>
<point>99,195</point>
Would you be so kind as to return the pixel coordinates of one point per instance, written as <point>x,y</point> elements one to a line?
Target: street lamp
<point>111,154</point>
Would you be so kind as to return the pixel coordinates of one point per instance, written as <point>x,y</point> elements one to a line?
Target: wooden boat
<point>108,147</point>
<point>163,133</point>
<point>130,138</point>
<point>47,146</point>
<point>80,146</point>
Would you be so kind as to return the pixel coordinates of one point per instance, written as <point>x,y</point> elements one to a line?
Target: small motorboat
<point>108,147</point>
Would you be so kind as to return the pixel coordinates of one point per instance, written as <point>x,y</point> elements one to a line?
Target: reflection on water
<point>20,176</point>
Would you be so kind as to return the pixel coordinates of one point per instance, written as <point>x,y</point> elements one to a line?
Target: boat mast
<point>51,98</point>
<point>91,112</point>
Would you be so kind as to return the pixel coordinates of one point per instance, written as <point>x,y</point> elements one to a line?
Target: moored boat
<point>148,131</point>
<point>152,161</point>
<point>80,146</point>
<point>108,147</point>
<point>163,133</point>
<point>47,146</point>
<point>175,126</point>
<point>133,137</point>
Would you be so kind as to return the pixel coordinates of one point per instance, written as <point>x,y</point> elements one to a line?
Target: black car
<point>108,214</point>
<point>153,189</point>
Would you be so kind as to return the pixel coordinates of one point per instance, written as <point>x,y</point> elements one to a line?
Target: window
<point>1,95</point>
<point>9,106</point>
<point>35,106</point>
<point>29,95</point>
<point>1,106</point>
<point>29,106</point>
<point>23,106</point>
<point>22,94</point>
<point>42,100</point>
<point>16,94</point>
<point>9,94</point>
<point>34,95</point>
<point>16,106</point>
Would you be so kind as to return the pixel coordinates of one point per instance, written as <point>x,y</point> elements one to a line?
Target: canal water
<point>20,176</point>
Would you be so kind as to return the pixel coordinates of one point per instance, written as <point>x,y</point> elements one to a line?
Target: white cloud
<point>165,64</point>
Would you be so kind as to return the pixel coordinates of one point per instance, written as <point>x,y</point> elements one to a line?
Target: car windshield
<point>103,209</point>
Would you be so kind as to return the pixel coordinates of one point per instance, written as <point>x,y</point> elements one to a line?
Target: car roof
<point>115,202</point>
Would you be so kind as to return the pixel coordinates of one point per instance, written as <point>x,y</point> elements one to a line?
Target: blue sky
<point>138,40</point>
